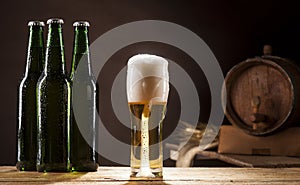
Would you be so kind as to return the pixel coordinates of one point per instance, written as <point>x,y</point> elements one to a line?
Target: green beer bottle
<point>27,115</point>
<point>53,93</point>
<point>84,91</point>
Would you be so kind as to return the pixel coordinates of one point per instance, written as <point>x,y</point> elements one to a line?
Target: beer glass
<point>147,94</point>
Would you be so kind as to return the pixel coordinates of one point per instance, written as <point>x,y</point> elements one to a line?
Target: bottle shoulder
<point>84,82</point>
<point>30,79</point>
<point>54,78</point>
<point>82,79</point>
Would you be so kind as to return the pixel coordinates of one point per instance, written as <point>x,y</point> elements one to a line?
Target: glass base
<point>157,172</point>
<point>26,166</point>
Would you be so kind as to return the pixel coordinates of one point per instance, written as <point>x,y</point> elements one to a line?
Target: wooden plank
<point>266,161</point>
<point>120,175</point>
<point>252,160</point>
<point>233,140</point>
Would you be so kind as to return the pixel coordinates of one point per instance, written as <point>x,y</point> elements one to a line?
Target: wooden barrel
<point>262,95</point>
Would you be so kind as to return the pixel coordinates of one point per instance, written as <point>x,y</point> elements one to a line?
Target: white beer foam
<point>147,78</point>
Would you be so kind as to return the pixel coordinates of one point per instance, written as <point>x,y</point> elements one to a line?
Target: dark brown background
<point>234,30</point>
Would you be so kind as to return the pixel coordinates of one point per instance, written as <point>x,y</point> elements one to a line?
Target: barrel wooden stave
<point>262,95</point>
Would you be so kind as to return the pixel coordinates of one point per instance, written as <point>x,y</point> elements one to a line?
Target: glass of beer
<point>147,94</point>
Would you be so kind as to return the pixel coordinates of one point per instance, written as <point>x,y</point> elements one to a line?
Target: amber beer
<point>155,119</point>
<point>147,92</point>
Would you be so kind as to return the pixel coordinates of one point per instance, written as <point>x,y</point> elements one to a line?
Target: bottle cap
<point>36,23</point>
<point>55,20</point>
<point>81,23</point>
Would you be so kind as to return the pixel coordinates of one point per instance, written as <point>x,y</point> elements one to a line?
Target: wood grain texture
<point>182,176</point>
<point>285,143</point>
<point>262,94</point>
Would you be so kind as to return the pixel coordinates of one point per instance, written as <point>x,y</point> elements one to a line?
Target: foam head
<point>147,78</point>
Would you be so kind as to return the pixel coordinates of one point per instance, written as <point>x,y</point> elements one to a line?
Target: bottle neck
<point>35,51</point>
<point>81,53</point>
<point>55,56</point>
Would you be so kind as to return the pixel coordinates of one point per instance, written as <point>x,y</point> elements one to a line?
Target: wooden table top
<point>178,176</point>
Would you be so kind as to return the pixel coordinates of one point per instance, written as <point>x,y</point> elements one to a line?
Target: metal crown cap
<point>55,20</point>
<point>81,23</point>
<point>36,23</point>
